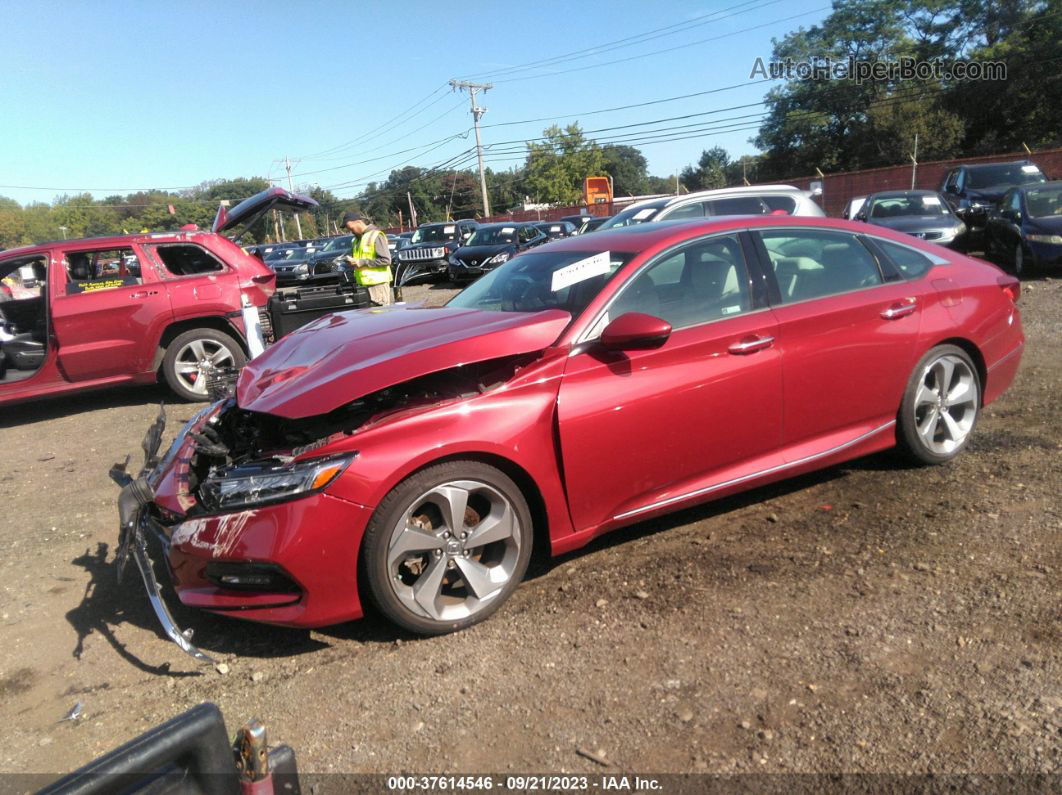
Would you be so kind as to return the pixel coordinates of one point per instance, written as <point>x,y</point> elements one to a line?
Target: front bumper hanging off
<point>135,521</point>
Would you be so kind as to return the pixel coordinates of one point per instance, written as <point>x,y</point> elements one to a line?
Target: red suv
<point>97,312</point>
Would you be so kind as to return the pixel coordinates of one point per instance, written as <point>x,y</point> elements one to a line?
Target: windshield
<point>1044,202</point>
<point>915,204</point>
<point>492,236</point>
<point>1008,174</point>
<point>632,215</point>
<point>540,280</point>
<point>434,234</point>
<point>339,242</point>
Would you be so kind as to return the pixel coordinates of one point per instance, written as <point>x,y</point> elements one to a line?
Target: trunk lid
<point>250,210</point>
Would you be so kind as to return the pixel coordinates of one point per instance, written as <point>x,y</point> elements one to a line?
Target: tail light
<point>1011,288</point>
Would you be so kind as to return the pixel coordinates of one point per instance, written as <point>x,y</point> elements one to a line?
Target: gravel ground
<point>871,618</point>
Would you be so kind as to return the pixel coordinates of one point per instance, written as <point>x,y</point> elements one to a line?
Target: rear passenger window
<point>699,283</point>
<point>187,259</point>
<point>740,205</point>
<point>776,204</point>
<point>93,271</point>
<point>811,264</point>
<point>909,262</point>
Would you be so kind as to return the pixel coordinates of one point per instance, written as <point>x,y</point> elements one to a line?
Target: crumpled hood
<point>341,357</point>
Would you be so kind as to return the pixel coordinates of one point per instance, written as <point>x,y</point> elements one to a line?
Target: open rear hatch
<point>250,210</point>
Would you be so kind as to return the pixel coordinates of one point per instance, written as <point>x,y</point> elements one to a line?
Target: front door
<point>643,427</point>
<point>103,307</point>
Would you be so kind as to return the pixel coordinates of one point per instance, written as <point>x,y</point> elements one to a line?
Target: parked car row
<point>1007,210</point>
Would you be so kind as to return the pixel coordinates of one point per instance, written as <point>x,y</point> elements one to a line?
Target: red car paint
<point>113,336</point>
<point>596,441</point>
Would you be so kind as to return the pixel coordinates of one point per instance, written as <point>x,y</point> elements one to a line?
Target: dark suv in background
<point>430,248</point>
<point>972,189</point>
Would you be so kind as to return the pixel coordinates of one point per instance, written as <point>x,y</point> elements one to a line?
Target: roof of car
<point>642,236</point>
<point>103,240</point>
<point>716,193</point>
<point>975,166</point>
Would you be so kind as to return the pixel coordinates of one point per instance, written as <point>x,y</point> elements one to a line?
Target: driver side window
<point>701,282</point>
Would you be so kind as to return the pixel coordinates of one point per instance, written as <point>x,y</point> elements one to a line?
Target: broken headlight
<point>252,485</point>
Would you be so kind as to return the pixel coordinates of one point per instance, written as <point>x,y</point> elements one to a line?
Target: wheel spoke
<point>955,433</point>
<point>452,502</point>
<point>962,393</point>
<point>428,586</point>
<point>498,525</point>
<point>409,541</point>
<point>197,349</point>
<point>945,369</point>
<point>928,426</point>
<point>925,395</point>
<point>188,368</point>
<point>221,355</point>
<point>478,577</point>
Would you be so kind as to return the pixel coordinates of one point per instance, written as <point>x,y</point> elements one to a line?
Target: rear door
<point>645,427</point>
<point>196,279</point>
<point>847,332</point>
<point>105,310</point>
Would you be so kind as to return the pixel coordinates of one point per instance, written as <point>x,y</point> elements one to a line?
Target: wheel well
<point>174,330</point>
<point>535,503</point>
<point>974,353</point>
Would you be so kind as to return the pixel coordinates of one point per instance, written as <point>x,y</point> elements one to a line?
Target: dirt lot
<point>871,617</point>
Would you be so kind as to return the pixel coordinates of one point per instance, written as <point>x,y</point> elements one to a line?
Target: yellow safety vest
<point>365,249</point>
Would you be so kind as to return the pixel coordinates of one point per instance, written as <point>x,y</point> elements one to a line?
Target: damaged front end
<point>229,463</point>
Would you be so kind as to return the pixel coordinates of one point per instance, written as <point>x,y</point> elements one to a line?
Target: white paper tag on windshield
<point>449,230</point>
<point>508,230</point>
<point>638,216</point>
<point>1030,169</point>
<point>597,265</point>
<point>930,201</point>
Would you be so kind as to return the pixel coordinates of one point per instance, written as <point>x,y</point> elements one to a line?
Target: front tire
<point>446,547</point>
<point>940,406</point>
<point>192,355</point>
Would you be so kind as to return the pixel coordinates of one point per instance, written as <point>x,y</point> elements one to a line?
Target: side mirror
<point>951,189</point>
<point>635,331</point>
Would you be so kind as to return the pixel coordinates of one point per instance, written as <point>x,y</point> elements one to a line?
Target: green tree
<point>710,171</point>
<point>557,166</point>
<point>628,168</point>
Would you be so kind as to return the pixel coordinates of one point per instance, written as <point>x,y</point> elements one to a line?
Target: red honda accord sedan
<point>412,456</point>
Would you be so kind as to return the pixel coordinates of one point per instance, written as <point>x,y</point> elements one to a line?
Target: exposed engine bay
<point>241,438</point>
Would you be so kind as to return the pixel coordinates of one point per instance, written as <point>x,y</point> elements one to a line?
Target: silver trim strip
<point>754,475</point>
<point>1002,359</point>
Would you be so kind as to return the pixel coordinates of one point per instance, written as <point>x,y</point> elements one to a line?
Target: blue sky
<point>118,96</point>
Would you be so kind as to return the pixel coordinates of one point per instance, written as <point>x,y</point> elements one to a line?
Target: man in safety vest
<point>370,259</point>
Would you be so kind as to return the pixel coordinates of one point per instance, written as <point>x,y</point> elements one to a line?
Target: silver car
<point>749,200</point>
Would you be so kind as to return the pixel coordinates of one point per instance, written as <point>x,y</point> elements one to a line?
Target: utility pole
<point>477,113</point>
<point>914,162</point>
<point>298,223</point>
<point>412,211</point>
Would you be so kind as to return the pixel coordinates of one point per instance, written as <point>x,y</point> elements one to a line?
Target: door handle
<point>750,345</point>
<point>899,310</point>
<point>143,293</point>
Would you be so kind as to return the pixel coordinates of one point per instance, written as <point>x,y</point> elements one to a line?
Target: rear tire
<point>940,406</point>
<point>189,357</point>
<point>446,547</point>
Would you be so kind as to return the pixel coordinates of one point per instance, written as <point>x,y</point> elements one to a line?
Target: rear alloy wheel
<point>940,406</point>
<point>447,547</point>
<point>194,355</point>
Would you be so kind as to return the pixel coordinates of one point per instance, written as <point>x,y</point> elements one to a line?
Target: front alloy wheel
<point>940,406</point>
<point>447,546</point>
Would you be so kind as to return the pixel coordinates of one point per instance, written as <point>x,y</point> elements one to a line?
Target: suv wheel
<point>193,355</point>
